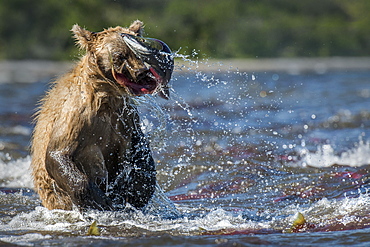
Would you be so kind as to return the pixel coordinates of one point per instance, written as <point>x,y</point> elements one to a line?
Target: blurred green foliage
<point>39,29</point>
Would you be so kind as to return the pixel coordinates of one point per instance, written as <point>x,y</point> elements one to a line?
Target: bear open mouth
<point>147,82</point>
<point>158,61</point>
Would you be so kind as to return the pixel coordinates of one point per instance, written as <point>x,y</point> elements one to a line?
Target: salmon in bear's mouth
<point>158,60</point>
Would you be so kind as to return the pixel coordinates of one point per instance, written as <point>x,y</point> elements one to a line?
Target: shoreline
<point>39,70</point>
<point>288,65</point>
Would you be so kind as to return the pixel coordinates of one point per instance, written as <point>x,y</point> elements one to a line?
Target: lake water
<point>239,153</point>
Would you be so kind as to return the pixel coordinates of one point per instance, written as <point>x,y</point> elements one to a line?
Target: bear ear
<point>83,37</point>
<point>137,27</point>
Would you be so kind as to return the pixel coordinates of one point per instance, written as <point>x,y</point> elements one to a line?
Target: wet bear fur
<point>88,149</point>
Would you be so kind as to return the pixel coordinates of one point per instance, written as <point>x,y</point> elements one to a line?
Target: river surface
<point>239,153</point>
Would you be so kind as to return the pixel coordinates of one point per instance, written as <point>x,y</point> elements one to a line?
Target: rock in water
<point>93,230</point>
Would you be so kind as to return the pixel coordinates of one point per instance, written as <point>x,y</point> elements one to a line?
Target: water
<point>239,153</point>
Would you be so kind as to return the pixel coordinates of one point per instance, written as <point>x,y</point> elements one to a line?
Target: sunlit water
<point>239,154</point>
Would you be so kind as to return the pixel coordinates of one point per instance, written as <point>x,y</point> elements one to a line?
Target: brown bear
<point>88,149</point>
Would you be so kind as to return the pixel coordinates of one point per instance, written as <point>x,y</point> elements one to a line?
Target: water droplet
<point>275,77</point>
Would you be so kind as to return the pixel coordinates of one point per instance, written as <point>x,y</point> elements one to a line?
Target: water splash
<point>16,173</point>
<point>153,120</point>
<point>325,156</point>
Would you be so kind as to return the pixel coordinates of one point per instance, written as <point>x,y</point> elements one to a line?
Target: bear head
<point>138,64</point>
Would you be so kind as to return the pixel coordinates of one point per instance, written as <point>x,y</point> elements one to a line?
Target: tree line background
<point>39,29</point>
